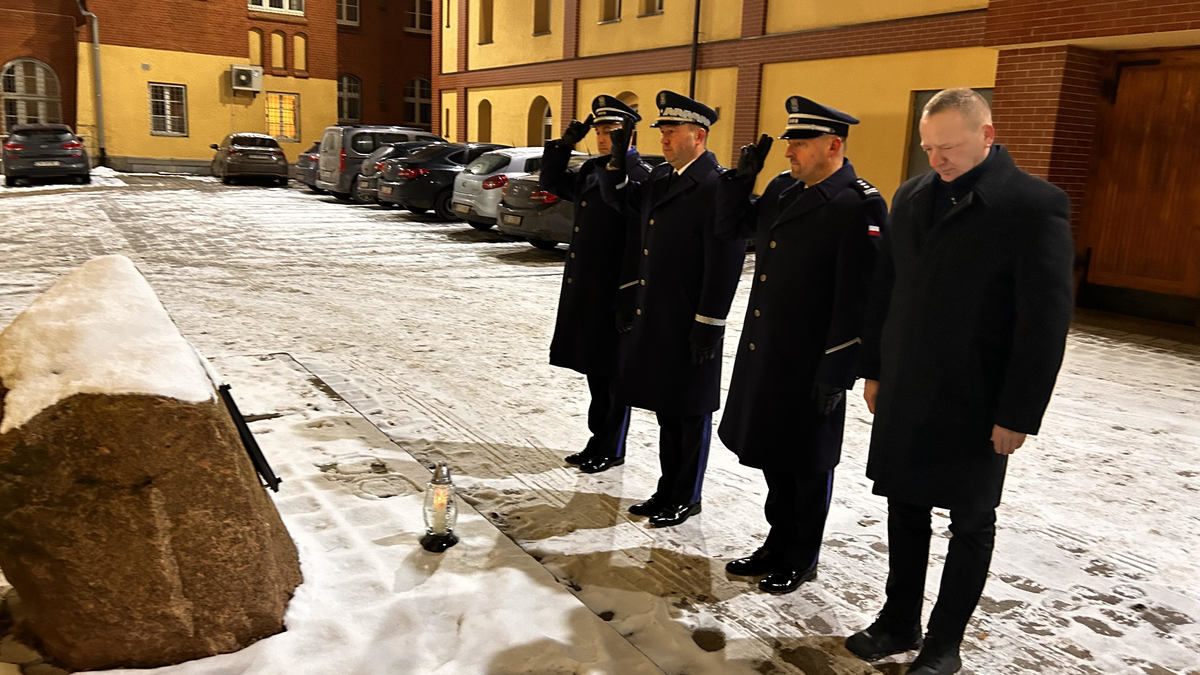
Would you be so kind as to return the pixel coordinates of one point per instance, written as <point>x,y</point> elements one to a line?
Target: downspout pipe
<point>102,159</point>
<point>695,51</point>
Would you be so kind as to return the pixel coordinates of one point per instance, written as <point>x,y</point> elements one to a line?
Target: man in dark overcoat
<point>678,282</point>
<point>816,228</point>
<point>963,341</point>
<point>585,339</point>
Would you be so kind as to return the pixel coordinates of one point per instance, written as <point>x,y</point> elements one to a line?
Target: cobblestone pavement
<point>438,334</point>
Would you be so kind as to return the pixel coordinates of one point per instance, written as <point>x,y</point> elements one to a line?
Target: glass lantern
<point>440,511</point>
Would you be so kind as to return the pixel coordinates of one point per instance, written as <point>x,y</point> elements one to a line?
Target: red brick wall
<point>44,30</point>
<point>754,17</point>
<point>1045,108</point>
<point>1012,22</point>
<point>385,57</point>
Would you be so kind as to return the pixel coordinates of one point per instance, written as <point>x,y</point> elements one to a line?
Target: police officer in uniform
<point>585,339</point>
<point>677,285</point>
<point>816,228</point>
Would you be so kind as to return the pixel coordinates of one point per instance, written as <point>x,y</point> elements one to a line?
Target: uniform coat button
<point>752,347</point>
<point>643,282</point>
<point>651,221</point>
<point>772,244</point>
<point>583,203</point>
<point>576,228</point>
<point>757,313</point>
<point>639,311</point>
<point>645,251</point>
<point>570,280</point>
<point>572,254</point>
<point>762,277</point>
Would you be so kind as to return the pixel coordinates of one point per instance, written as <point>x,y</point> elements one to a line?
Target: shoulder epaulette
<point>864,188</point>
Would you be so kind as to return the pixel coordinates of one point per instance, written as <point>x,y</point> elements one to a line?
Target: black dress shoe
<point>598,464</point>
<point>936,658</point>
<point>786,581</point>
<point>577,458</point>
<point>674,514</point>
<point>880,640</point>
<point>647,508</point>
<point>756,564</point>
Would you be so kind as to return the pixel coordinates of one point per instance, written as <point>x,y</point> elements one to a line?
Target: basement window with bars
<point>347,12</point>
<point>283,115</point>
<point>168,109</point>
<point>281,6</point>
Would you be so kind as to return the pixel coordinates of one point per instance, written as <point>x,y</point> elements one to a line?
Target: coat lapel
<point>683,182</point>
<point>814,197</point>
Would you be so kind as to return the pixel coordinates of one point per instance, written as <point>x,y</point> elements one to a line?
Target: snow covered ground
<point>438,334</point>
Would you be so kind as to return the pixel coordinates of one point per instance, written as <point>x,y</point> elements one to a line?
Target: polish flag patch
<point>872,230</point>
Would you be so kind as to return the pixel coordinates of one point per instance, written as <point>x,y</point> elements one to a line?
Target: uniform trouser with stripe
<point>973,534</point>
<point>683,442</point>
<point>608,419</point>
<point>796,507</point>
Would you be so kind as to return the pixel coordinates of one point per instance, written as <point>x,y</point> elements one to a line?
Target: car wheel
<point>10,181</point>
<point>281,181</point>
<point>354,191</point>
<point>544,244</point>
<point>85,179</point>
<point>441,206</point>
<point>227,179</point>
<point>416,209</point>
<point>480,226</point>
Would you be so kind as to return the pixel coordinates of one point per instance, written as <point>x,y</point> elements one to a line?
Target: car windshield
<point>427,153</point>
<point>487,164</point>
<point>41,135</point>
<point>254,142</point>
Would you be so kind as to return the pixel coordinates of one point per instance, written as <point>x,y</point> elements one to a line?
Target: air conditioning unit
<point>245,78</point>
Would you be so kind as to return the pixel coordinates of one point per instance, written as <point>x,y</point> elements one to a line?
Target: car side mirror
<point>79,138</point>
<point>214,146</point>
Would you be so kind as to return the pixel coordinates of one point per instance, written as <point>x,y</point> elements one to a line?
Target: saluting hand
<point>575,132</point>
<point>620,147</point>
<point>751,161</point>
<point>1006,441</point>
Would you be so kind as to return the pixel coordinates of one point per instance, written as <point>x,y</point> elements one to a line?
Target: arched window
<point>349,99</point>
<point>256,46</point>
<point>417,101</point>
<point>29,93</point>
<point>628,98</point>
<point>300,52</point>
<point>541,122</point>
<point>278,53</point>
<point>485,121</point>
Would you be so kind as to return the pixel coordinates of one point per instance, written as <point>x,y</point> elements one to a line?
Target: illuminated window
<point>541,17</point>
<point>420,15</point>
<point>283,116</point>
<point>29,90</point>
<point>168,109</point>
<point>610,10</point>
<point>347,12</point>
<point>417,101</point>
<point>280,6</point>
<point>349,99</point>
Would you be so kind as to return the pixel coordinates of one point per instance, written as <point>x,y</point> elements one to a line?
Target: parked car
<point>44,151</point>
<point>344,147</point>
<point>541,217</point>
<point>478,188</point>
<point>306,166</point>
<point>366,183</point>
<point>425,179</point>
<point>249,155</point>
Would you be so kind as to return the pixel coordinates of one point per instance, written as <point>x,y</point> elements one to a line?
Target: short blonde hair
<point>973,107</point>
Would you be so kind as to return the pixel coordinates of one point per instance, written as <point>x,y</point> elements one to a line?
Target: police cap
<point>611,110</point>
<point>809,119</point>
<point>678,109</point>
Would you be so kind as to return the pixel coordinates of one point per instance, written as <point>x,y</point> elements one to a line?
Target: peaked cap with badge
<point>676,108</point>
<point>809,119</point>
<point>612,110</point>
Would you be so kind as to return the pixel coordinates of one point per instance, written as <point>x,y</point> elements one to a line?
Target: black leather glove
<point>705,340</point>
<point>575,132</point>
<point>620,146</point>
<point>827,398</point>
<point>751,161</point>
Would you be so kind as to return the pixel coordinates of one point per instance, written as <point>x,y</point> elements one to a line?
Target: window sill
<point>300,73</point>
<point>418,31</point>
<point>268,15</point>
<point>657,13</point>
<point>604,21</point>
<point>485,43</point>
<point>343,22</point>
<point>541,34</point>
<point>168,134</point>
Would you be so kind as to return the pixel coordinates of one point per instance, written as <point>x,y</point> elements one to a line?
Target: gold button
<point>762,277</point>
<point>643,282</point>
<point>645,251</point>
<point>772,244</point>
<point>570,280</point>
<point>639,311</point>
<point>757,313</point>
<point>651,221</point>
<point>752,347</point>
<point>572,254</point>
<point>583,203</point>
<point>576,228</point>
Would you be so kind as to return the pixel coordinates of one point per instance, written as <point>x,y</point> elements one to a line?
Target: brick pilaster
<point>749,88</point>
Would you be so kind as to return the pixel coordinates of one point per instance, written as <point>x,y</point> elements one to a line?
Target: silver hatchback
<point>478,189</point>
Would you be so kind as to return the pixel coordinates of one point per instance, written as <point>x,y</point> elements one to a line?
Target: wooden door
<point>1141,215</point>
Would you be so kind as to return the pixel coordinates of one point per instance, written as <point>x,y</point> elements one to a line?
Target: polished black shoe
<point>879,641</point>
<point>674,514</point>
<point>936,658</point>
<point>756,564</point>
<point>647,508</point>
<point>598,464</point>
<point>786,581</point>
<point>577,458</point>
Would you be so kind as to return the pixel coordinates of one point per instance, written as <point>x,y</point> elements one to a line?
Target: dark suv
<point>425,179</point>
<point>44,151</point>
<point>344,147</point>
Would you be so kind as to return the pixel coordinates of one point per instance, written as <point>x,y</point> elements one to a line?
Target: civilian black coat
<point>814,251</point>
<point>585,335</point>
<point>676,267</point>
<point>967,329</point>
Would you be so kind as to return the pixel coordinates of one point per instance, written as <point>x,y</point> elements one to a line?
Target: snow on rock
<point>99,330</point>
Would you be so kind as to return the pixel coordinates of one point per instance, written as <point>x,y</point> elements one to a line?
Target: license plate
<point>461,208</point>
<point>46,163</point>
<point>511,219</point>
<point>258,156</point>
<point>385,190</point>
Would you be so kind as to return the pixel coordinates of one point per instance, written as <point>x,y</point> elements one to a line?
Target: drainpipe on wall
<point>102,159</point>
<point>695,51</point>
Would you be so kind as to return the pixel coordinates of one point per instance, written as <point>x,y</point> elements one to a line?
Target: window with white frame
<point>349,99</point>
<point>347,12</point>
<point>281,6</point>
<point>30,93</point>
<point>168,109</point>
<point>417,101</point>
<point>420,16</point>
<point>283,116</point>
